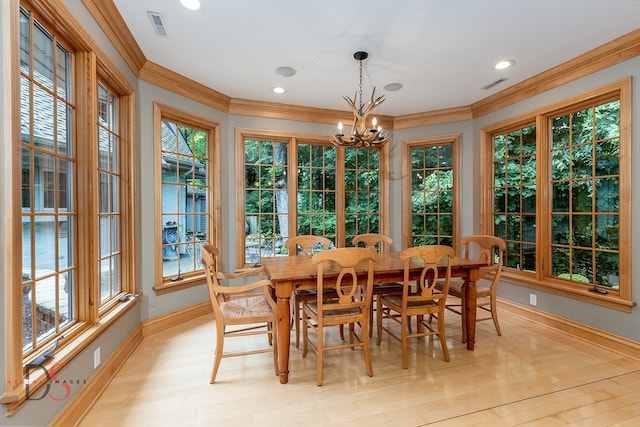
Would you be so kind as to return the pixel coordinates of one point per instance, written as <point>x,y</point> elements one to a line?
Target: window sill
<point>15,397</point>
<point>609,300</point>
<point>188,282</point>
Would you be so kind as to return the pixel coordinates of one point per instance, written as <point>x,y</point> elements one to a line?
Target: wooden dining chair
<point>304,245</point>
<point>350,307</point>
<point>239,311</point>
<point>426,299</point>
<point>379,242</point>
<point>489,249</point>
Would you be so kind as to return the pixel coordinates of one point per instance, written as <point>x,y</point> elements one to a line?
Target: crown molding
<point>177,83</point>
<point>604,56</point>
<point>434,117</point>
<point>275,110</point>
<point>109,19</point>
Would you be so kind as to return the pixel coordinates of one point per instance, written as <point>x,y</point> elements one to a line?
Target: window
<point>514,190</point>
<point>49,158</point>
<point>430,171</point>
<point>109,216</point>
<point>362,192</point>
<point>186,178</point>
<point>335,193</point>
<point>75,250</point>
<point>561,197</point>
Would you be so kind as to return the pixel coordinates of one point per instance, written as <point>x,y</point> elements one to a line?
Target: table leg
<point>283,337</point>
<point>469,295</point>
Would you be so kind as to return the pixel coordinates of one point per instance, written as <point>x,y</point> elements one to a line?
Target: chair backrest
<point>220,293</point>
<point>210,255</point>
<point>306,245</point>
<point>347,285</point>
<point>372,240</point>
<point>431,256</point>
<point>489,249</point>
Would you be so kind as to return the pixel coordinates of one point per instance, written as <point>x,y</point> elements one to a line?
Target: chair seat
<point>311,292</point>
<point>246,307</point>
<point>333,313</point>
<point>455,289</point>
<point>389,286</point>
<point>397,301</point>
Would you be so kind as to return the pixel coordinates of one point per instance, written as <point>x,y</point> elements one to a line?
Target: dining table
<point>288,273</point>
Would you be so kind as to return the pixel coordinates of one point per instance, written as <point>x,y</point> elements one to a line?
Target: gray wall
<point>149,306</point>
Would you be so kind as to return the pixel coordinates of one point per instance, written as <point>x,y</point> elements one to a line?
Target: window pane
<point>515,174</point>
<point>185,186</point>
<point>586,186</point>
<point>362,192</point>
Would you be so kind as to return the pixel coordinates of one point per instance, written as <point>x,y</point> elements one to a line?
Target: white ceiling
<point>442,51</point>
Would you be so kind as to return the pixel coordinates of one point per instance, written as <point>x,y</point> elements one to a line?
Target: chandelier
<point>361,135</point>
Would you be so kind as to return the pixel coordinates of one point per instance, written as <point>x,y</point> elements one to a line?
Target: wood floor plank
<point>532,375</point>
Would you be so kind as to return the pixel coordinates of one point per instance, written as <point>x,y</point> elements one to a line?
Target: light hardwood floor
<point>532,375</point>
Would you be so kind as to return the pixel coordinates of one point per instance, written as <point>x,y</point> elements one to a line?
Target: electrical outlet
<point>533,299</point>
<point>96,358</point>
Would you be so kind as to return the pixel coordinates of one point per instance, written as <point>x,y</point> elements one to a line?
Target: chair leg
<point>419,325</point>
<point>320,361</point>
<point>405,349</point>
<point>298,315</point>
<point>305,334</point>
<point>463,313</point>
<point>442,336</point>
<point>367,352</point>
<point>218,352</point>
<point>379,313</point>
<point>371,319</point>
<point>494,315</point>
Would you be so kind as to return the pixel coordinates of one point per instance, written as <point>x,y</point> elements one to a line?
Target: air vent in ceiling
<point>497,82</point>
<point>158,23</point>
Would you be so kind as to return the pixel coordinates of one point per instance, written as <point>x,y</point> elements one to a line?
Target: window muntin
<point>109,215</point>
<point>185,178</point>
<point>585,186</point>
<point>49,266</point>
<point>432,194</point>
<point>276,206</point>
<point>266,193</point>
<point>514,192</point>
<point>316,190</point>
<point>362,192</point>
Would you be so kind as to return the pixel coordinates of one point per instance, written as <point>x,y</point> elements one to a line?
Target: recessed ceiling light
<point>279,89</point>
<point>285,71</point>
<point>191,4</point>
<point>392,87</point>
<point>504,64</point>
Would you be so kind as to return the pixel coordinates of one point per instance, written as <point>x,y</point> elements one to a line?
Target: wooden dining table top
<point>300,268</point>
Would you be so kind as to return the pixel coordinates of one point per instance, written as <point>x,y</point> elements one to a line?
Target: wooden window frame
<point>294,139</point>
<point>214,202</point>
<point>90,320</point>
<point>455,140</point>
<point>542,280</point>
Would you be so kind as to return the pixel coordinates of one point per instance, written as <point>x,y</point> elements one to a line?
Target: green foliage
<point>585,193</point>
